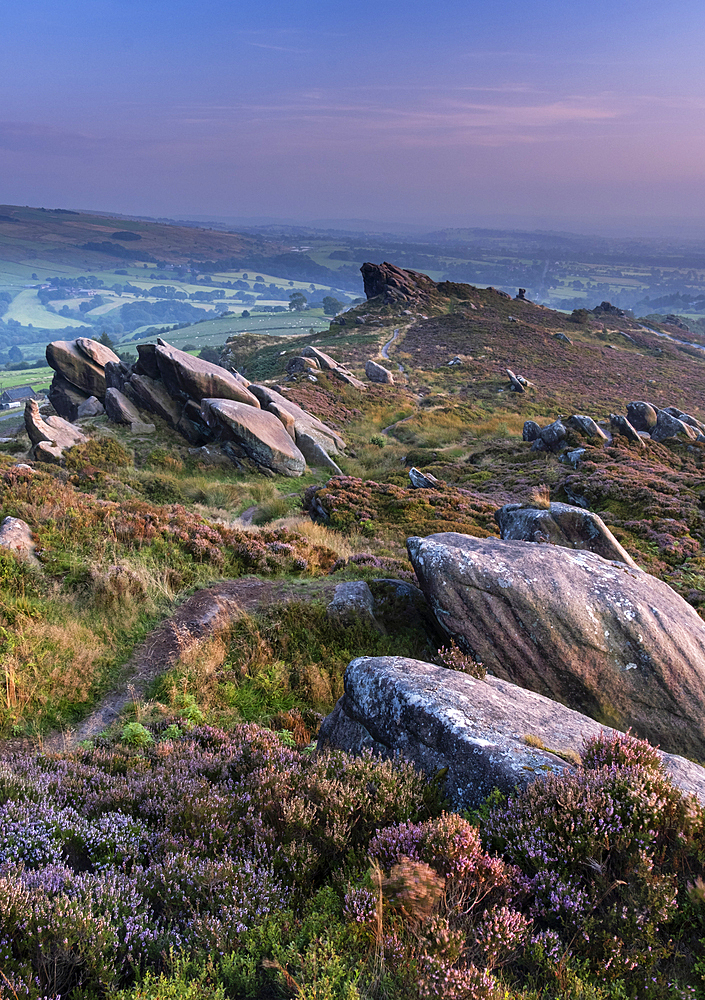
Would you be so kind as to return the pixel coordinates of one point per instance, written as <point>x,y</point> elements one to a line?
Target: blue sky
<point>544,113</point>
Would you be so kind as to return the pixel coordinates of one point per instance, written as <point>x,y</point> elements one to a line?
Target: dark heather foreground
<point>488,733</point>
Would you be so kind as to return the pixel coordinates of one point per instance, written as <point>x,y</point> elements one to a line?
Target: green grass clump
<point>100,452</point>
<point>279,666</point>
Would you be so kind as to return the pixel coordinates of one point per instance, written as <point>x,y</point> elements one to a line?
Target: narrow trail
<point>385,351</point>
<point>198,619</point>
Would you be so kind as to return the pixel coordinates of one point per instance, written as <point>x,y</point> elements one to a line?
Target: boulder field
<point>204,402</point>
<point>599,636</point>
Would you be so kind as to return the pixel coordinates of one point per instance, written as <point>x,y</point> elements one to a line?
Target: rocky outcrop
<point>669,427</point>
<point>301,365</point>
<point>153,396</point>
<point>531,432</point>
<point>96,352</point>
<point>329,364</point>
<point>394,284</point>
<point>119,408</point>
<point>65,397</point>
<point>195,379</point>
<point>599,636</point>
<point>16,537</point>
<point>314,452</point>
<point>377,373</point>
<point>487,734</point>
<point>561,524</point>
<point>304,422</point>
<point>49,437</point>
<point>259,433</point>
<point>79,368</point>
<point>422,480</point>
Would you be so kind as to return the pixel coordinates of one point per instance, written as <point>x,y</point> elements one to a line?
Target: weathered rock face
<point>98,353</point>
<point>91,407</point>
<point>586,425</point>
<point>561,524</point>
<point>603,638</point>
<point>65,397</point>
<point>119,408</point>
<point>275,402</point>
<point>77,368</point>
<point>377,373</point>
<point>642,416</point>
<point>439,718</point>
<point>49,436</point>
<point>686,418</point>
<point>258,432</point>
<point>152,395</point>
<point>16,536</point>
<point>620,425</point>
<point>197,379</point>
<point>670,427</point>
<point>531,432</point>
<point>314,453</point>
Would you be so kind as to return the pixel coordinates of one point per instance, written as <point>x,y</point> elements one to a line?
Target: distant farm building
<point>17,396</point>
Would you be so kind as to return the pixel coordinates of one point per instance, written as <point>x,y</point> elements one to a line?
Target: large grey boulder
<point>377,373</point>
<point>315,454</point>
<point>532,431</point>
<point>91,407</point>
<point>561,524</point>
<point>488,734</point>
<point>686,418</point>
<point>603,638</point>
<point>423,480</point>
<point>263,438</point>
<point>188,376</point>
<point>669,428</point>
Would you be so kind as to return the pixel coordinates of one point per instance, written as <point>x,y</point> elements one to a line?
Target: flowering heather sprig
<point>621,750</point>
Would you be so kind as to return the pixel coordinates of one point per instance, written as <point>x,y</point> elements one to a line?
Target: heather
<point>214,863</point>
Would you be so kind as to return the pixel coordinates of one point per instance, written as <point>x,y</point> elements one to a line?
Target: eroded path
<point>385,349</point>
<point>200,617</point>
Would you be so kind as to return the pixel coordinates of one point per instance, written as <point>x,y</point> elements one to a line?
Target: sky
<point>539,114</point>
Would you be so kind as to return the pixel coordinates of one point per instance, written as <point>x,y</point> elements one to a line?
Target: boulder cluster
<point>575,638</point>
<point>642,422</point>
<point>202,401</point>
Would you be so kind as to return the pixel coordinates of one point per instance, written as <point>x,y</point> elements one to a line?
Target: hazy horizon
<point>524,116</point>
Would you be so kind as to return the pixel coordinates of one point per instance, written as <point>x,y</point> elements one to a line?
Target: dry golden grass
<point>540,497</point>
<point>319,534</point>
